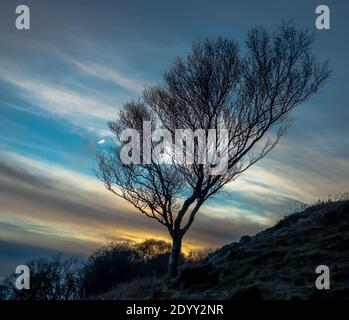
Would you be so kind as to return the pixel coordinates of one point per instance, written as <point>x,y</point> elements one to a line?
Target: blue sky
<point>62,80</point>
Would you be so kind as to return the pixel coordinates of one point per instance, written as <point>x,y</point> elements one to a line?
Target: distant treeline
<point>56,278</point>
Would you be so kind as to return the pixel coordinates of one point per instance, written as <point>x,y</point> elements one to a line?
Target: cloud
<point>287,175</point>
<point>107,74</point>
<point>72,98</point>
<point>77,107</point>
<point>59,204</point>
<point>101,141</point>
<point>43,204</point>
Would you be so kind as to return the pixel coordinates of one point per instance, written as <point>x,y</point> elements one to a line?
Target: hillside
<point>277,263</point>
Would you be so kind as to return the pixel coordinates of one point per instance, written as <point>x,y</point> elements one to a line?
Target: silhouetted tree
<point>124,261</point>
<point>250,92</point>
<point>109,265</point>
<point>50,279</point>
<point>151,248</point>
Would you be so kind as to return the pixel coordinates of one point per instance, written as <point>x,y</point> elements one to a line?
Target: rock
<point>244,240</point>
<point>219,253</point>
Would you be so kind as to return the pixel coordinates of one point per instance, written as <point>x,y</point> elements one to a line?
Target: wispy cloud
<point>77,107</point>
<point>53,201</point>
<point>108,74</point>
<point>287,175</point>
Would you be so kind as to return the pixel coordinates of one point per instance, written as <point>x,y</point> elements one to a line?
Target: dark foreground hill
<point>278,263</point>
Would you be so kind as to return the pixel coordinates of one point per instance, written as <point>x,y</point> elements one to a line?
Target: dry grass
<point>331,198</point>
<point>140,288</point>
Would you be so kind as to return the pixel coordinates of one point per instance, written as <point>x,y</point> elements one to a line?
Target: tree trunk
<point>175,255</point>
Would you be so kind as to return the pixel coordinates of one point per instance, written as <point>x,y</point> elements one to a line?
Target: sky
<point>62,80</point>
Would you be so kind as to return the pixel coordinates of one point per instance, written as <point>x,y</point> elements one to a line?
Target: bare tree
<point>251,92</point>
<point>50,279</point>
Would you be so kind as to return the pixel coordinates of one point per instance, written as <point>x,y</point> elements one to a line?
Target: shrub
<point>50,279</point>
<point>122,262</point>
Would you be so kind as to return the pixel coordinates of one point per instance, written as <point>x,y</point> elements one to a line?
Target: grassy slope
<point>278,263</point>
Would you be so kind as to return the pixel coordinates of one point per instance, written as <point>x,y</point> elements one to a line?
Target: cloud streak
<point>58,207</point>
<point>107,74</point>
<point>286,175</point>
<point>77,107</point>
